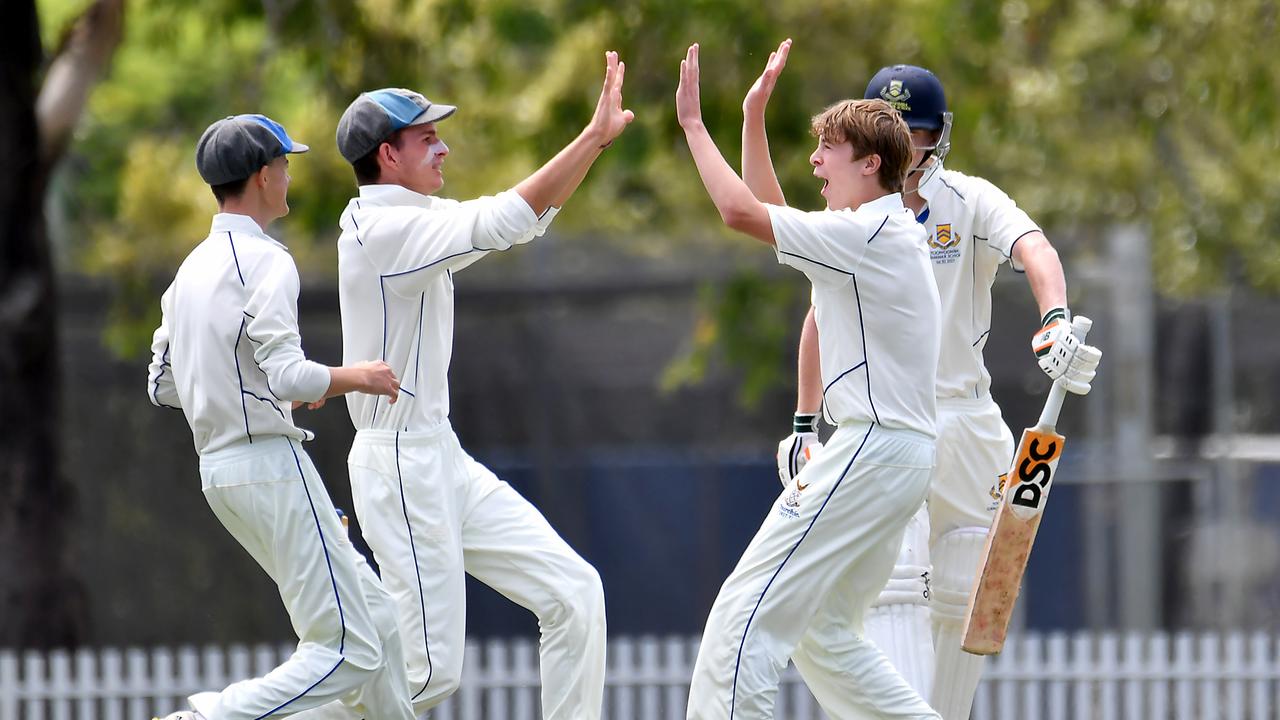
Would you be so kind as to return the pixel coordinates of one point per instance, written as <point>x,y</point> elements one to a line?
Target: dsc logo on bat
<point>1035,469</point>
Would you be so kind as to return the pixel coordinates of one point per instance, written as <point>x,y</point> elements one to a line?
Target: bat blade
<point>1004,559</point>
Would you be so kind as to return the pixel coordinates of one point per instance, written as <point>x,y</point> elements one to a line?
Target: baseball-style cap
<point>371,118</point>
<point>914,92</point>
<point>238,146</point>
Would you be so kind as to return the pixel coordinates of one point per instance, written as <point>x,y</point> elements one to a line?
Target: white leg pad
<point>898,622</point>
<point>956,556</point>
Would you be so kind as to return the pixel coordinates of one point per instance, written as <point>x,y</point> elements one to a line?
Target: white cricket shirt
<point>227,351</point>
<point>972,228</point>
<point>396,258</point>
<point>876,305</point>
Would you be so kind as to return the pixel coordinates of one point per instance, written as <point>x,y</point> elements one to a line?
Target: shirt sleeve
<point>999,221</point>
<point>410,245</point>
<point>160,386</point>
<point>823,245</point>
<point>271,324</point>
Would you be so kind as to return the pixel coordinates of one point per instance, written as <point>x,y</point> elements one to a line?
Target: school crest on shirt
<point>944,246</point>
<point>790,505</point>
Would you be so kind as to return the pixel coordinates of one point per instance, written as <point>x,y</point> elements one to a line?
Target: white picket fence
<point>1232,676</point>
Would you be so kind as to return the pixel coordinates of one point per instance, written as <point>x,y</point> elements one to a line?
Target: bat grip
<point>1053,406</point>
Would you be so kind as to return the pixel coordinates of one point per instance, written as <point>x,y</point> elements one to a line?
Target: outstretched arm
<point>809,387</point>
<point>553,183</point>
<point>757,166</point>
<point>738,207</point>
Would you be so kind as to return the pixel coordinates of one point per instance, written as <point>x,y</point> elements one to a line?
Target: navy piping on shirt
<point>866,361</point>
<point>235,257</point>
<point>838,377</point>
<point>948,186</point>
<point>980,337</point>
<point>266,378</point>
<point>973,284</point>
<point>382,288</point>
<point>235,353</point>
<point>417,358</point>
<point>733,698</point>
<point>815,262</point>
<point>338,598</point>
<point>1014,245</point>
<point>422,598</point>
<point>436,262</point>
<point>155,389</point>
<point>877,232</point>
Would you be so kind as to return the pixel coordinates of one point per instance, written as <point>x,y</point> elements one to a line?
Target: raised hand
<point>610,119</point>
<point>688,97</point>
<point>758,96</point>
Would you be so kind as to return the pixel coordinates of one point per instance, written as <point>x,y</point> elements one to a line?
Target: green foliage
<point>1089,112</point>
<point>750,323</point>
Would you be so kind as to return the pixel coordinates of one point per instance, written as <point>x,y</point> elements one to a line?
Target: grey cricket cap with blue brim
<point>238,146</point>
<point>371,118</point>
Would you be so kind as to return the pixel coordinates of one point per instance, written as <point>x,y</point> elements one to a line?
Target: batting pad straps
<point>955,568</point>
<point>909,585</point>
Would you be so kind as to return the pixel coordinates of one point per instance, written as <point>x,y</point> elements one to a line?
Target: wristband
<point>1058,313</point>
<point>804,423</point>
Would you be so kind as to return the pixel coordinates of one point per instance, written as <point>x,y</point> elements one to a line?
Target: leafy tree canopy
<point>1089,112</point>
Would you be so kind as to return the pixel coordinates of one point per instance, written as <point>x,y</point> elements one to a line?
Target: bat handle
<point>1053,406</point>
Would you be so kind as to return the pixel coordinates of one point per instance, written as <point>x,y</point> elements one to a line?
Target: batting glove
<point>798,448</point>
<point>1062,356</point>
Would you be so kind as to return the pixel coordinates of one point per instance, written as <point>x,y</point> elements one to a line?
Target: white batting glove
<point>1062,356</point>
<point>798,448</point>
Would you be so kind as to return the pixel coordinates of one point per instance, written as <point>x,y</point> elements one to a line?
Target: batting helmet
<point>917,95</point>
<point>912,91</point>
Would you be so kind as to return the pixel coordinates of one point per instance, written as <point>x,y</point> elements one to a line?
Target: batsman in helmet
<point>973,229</point>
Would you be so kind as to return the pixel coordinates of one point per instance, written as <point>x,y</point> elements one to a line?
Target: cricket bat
<point>1026,491</point>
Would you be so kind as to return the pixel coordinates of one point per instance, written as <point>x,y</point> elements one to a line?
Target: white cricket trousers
<point>431,515</point>
<point>270,498</point>
<point>800,590</point>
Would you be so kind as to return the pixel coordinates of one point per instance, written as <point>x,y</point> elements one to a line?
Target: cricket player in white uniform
<point>227,353</point>
<point>429,512</point>
<point>973,228</point>
<point>826,548</point>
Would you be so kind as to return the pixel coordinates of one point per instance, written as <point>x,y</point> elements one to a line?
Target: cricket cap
<point>374,116</point>
<point>238,146</point>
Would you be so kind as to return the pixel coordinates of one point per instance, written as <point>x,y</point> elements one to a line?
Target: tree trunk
<point>42,602</point>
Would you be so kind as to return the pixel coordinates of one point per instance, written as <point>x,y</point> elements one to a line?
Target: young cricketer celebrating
<point>828,545</point>
<point>973,228</point>
<point>428,510</point>
<point>227,353</point>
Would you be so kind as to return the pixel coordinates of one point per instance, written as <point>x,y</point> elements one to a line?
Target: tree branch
<point>78,65</point>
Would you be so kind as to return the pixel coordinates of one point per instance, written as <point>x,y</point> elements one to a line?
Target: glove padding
<point>1063,357</point>
<point>794,452</point>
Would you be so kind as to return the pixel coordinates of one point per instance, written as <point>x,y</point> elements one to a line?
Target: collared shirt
<point>227,351</point>
<point>972,228</point>
<point>876,305</point>
<point>396,258</point>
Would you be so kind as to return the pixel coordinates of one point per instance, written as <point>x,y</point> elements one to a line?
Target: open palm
<point>759,94</point>
<point>610,118</point>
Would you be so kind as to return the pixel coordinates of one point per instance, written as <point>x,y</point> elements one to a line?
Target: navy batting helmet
<point>917,95</point>
<point>914,92</point>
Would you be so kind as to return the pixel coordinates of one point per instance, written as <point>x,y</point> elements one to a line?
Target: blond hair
<point>873,127</point>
